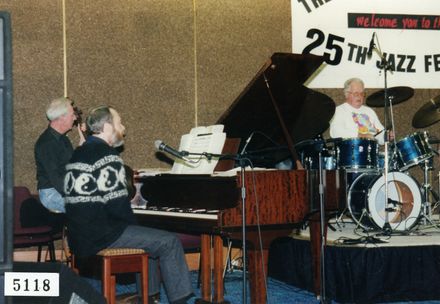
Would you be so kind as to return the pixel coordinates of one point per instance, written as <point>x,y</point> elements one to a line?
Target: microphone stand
<point>241,159</point>
<point>243,226</point>
<point>322,230</point>
<point>385,66</point>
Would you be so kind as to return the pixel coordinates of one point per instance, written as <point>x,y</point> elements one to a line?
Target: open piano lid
<point>304,113</point>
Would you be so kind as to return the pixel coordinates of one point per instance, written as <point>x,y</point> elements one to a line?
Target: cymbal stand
<point>385,66</point>
<point>436,196</point>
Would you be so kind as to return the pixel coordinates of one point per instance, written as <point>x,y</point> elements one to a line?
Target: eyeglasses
<point>357,94</point>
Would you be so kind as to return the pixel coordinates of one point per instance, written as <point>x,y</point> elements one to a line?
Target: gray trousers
<point>166,262</point>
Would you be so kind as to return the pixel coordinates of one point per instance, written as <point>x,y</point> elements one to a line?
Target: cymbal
<point>428,114</point>
<point>395,95</point>
<point>310,145</point>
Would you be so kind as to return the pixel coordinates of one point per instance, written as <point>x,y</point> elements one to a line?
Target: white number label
<point>43,284</point>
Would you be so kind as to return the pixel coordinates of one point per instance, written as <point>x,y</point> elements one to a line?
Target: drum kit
<point>371,205</point>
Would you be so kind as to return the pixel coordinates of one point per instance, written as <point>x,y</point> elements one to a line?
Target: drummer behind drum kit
<point>408,202</point>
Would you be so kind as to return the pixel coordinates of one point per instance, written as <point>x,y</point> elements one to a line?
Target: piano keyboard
<point>177,212</point>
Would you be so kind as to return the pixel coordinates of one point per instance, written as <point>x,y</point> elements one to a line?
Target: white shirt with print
<point>349,122</point>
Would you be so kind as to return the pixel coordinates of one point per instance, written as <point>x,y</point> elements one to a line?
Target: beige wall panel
<point>138,57</point>
<point>37,75</point>
<point>234,39</point>
<point>165,65</point>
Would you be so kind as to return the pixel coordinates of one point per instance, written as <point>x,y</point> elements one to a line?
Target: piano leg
<point>205,268</point>
<point>205,258</point>
<point>257,266</point>
<point>218,270</point>
<point>258,260</point>
<point>256,276</point>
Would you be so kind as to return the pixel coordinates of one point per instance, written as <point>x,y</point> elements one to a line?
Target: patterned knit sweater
<point>97,205</point>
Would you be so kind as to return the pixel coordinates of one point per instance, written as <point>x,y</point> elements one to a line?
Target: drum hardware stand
<point>436,204</point>
<point>426,205</point>
<point>358,224</point>
<point>339,219</point>
<point>436,196</point>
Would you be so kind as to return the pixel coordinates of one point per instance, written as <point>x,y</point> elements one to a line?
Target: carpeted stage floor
<point>366,266</point>
<point>360,268</point>
<point>278,292</point>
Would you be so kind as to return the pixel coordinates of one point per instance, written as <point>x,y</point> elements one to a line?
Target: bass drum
<point>366,200</point>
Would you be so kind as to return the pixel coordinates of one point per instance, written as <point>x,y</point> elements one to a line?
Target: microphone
<point>395,203</point>
<point>371,47</point>
<point>161,146</point>
<point>247,143</point>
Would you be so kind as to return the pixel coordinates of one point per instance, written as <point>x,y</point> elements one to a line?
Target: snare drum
<point>357,153</point>
<point>366,200</point>
<point>414,149</point>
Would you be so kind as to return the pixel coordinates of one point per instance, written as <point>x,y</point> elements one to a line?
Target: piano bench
<point>121,260</point>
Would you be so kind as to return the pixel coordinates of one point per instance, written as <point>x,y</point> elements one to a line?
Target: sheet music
<point>210,139</point>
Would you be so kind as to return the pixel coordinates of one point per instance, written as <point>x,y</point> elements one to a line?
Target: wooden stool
<point>122,260</point>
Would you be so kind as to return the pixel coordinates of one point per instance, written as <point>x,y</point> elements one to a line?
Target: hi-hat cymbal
<point>395,95</point>
<point>428,114</point>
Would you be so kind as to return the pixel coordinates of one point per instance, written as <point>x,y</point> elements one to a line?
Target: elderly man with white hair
<point>52,152</point>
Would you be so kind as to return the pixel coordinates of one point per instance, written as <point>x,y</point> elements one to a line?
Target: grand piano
<point>274,113</point>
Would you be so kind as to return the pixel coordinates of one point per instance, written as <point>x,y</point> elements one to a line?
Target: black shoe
<point>154,299</point>
<point>183,300</point>
<point>129,298</point>
<point>134,298</point>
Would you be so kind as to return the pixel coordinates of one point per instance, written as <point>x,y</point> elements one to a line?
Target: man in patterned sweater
<point>99,214</point>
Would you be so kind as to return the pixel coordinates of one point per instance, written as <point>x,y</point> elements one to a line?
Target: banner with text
<point>363,38</point>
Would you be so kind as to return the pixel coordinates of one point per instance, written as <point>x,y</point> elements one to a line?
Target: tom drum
<point>357,153</point>
<point>414,149</point>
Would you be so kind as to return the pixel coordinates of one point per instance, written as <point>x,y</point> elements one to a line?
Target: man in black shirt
<point>53,150</point>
